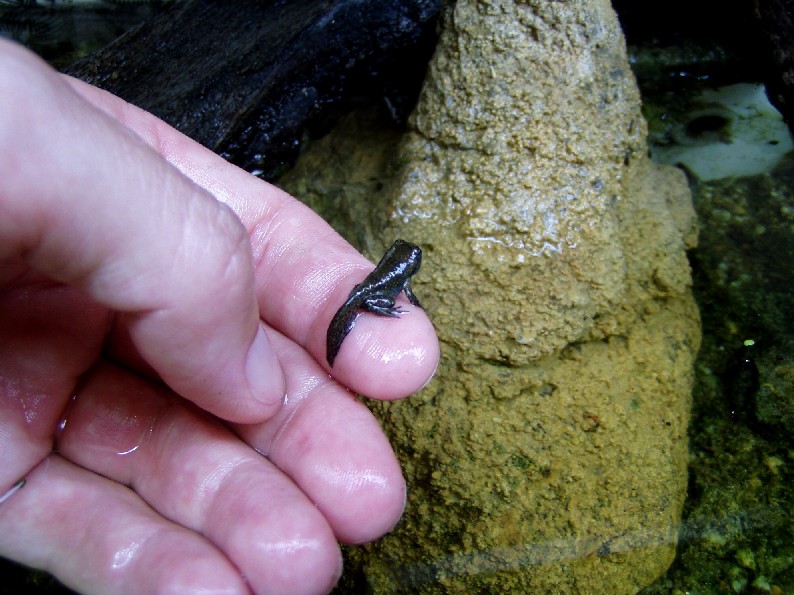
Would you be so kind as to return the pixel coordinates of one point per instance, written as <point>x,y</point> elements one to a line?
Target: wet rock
<point>549,453</point>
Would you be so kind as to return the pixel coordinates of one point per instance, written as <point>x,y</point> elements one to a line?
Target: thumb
<point>86,202</point>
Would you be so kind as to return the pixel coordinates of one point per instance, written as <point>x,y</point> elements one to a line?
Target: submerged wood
<point>246,78</point>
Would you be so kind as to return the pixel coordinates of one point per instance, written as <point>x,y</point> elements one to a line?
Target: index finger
<point>304,269</point>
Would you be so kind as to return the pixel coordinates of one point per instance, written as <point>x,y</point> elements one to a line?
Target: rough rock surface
<point>549,453</point>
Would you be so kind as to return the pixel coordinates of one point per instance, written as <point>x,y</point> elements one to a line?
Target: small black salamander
<point>376,293</point>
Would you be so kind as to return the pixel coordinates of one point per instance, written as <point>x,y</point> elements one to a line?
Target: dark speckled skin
<point>376,293</point>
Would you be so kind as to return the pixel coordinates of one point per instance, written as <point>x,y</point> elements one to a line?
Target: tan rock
<point>549,453</point>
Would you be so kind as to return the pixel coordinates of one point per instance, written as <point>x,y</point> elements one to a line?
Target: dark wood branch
<point>245,78</point>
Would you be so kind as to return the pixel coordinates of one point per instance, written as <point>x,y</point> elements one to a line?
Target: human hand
<point>130,307</point>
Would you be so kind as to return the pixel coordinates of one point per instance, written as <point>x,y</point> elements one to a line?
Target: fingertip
<point>334,449</point>
<point>389,358</point>
<point>188,566</point>
<point>238,380</point>
<point>299,564</point>
<point>285,544</point>
<point>329,443</point>
<point>380,496</point>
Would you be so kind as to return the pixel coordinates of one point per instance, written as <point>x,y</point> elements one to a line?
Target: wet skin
<point>376,293</point>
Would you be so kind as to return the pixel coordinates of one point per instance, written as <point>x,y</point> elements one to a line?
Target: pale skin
<point>163,385</point>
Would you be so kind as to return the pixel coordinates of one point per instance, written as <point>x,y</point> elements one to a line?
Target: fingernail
<point>264,372</point>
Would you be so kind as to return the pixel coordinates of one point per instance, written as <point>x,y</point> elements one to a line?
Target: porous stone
<point>549,452</point>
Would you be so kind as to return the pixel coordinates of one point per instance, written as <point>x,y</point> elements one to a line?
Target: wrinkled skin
<point>163,384</point>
